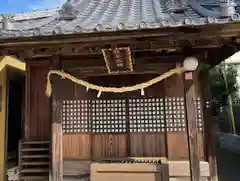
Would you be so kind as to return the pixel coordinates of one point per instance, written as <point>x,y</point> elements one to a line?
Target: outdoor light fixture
<point>190,63</point>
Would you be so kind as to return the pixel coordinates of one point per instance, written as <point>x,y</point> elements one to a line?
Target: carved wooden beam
<point>143,64</point>
<point>95,48</point>
<point>141,59</point>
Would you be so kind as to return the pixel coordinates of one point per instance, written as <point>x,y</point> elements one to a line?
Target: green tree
<point>218,86</point>
<point>224,83</point>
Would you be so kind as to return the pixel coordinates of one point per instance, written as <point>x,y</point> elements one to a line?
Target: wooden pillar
<point>57,133</point>
<point>192,132</point>
<point>208,125</point>
<point>3,123</point>
<point>173,138</point>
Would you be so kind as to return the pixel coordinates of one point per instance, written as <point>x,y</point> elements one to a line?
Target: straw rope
<point>88,85</point>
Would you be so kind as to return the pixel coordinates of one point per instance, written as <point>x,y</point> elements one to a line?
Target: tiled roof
<point>79,16</point>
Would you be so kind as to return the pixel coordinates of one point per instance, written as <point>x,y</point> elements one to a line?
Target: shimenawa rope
<point>140,86</point>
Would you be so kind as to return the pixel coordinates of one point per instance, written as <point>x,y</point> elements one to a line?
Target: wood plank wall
<point>38,105</point>
<point>173,86</point>
<point>97,146</point>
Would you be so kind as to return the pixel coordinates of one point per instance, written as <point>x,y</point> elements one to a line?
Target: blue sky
<point>17,6</point>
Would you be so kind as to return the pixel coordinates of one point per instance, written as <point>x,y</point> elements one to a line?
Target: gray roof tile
<point>113,15</point>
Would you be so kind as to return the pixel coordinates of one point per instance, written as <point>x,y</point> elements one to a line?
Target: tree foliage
<point>218,86</point>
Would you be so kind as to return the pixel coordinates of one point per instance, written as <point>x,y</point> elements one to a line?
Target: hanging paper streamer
<point>142,92</point>
<point>99,94</point>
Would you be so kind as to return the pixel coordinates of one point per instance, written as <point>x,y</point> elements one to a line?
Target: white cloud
<point>46,4</point>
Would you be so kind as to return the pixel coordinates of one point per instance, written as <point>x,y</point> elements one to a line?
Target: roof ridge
<point>32,15</point>
<point>43,10</point>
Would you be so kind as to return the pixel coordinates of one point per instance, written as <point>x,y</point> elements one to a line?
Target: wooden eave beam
<point>156,65</point>
<point>139,60</point>
<point>102,70</point>
<point>217,56</point>
<point>95,48</point>
<point>84,66</point>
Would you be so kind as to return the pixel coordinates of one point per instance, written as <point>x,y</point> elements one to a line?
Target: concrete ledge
<point>181,169</point>
<point>187,179</point>
<point>128,171</point>
<point>230,142</point>
<point>178,171</point>
<point>176,168</point>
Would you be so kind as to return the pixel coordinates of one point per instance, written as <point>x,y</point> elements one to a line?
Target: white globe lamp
<point>190,63</point>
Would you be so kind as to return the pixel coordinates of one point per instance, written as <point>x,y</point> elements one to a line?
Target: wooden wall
<point>150,144</point>
<point>38,105</point>
<point>172,144</point>
<point>98,146</point>
<point>121,144</point>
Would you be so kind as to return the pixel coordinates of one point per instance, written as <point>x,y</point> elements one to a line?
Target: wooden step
<point>34,142</point>
<point>35,149</point>
<point>34,156</point>
<point>78,177</point>
<point>26,178</point>
<point>35,163</point>
<point>34,170</point>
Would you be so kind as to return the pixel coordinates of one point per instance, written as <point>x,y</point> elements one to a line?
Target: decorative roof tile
<point>34,15</point>
<point>80,16</point>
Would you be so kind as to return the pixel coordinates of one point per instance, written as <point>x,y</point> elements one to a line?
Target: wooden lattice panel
<point>175,114</point>
<point>199,114</point>
<point>146,115</point>
<point>112,116</point>
<point>108,116</point>
<point>75,116</point>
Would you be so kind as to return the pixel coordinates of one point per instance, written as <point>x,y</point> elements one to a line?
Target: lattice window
<point>175,114</point>
<point>146,115</point>
<point>75,116</point>
<point>143,114</point>
<point>108,116</point>
<point>199,114</point>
